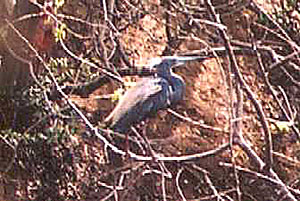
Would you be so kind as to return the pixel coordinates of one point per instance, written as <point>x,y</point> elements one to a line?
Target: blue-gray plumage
<point>150,94</point>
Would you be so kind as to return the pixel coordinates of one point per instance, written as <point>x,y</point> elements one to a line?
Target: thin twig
<point>209,182</point>
<point>196,123</point>
<point>246,88</point>
<point>178,184</point>
<point>258,107</point>
<point>261,176</point>
<point>8,167</point>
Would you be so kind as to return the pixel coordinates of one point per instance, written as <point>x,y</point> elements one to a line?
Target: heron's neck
<point>175,80</point>
<point>165,74</point>
<point>177,87</point>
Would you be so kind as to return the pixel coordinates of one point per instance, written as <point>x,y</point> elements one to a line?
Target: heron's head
<point>165,63</point>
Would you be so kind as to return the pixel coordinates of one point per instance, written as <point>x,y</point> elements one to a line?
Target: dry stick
<point>213,197</point>
<point>236,116</point>
<point>279,61</point>
<point>260,10</point>
<point>258,107</point>
<point>208,181</point>
<point>122,53</point>
<point>216,52</point>
<point>108,7</point>
<point>115,46</point>
<point>108,197</point>
<point>168,49</point>
<point>271,89</point>
<point>288,160</point>
<point>196,123</point>
<point>286,100</point>
<point>105,10</point>
<point>45,11</point>
<point>154,155</point>
<point>231,105</point>
<point>129,170</point>
<point>178,184</point>
<point>235,126</point>
<point>141,139</point>
<point>120,182</point>
<point>191,168</point>
<point>273,32</point>
<point>237,129</point>
<point>163,187</point>
<point>72,54</point>
<point>85,61</point>
<point>246,88</point>
<point>276,57</point>
<point>284,60</point>
<point>101,38</point>
<point>259,175</point>
<point>238,124</point>
<point>8,167</point>
<point>105,185</point>
<point>75,19</point>
<point>290,76</point>
<point>235,119</point>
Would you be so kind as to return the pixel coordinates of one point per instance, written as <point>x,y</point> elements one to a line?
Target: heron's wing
<point>138,101</point>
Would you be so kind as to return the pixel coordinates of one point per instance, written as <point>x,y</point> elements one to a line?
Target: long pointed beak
<point>191,58</point>
<point>181,60</point>
<point>178,63</point>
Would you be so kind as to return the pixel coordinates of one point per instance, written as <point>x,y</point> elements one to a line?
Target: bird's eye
<point>155,66</point>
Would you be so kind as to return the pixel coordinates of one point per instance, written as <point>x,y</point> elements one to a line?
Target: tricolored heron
<point>150,94</point>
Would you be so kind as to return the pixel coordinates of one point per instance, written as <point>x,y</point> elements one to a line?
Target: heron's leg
<point>124,142</point>
<point>145,142</point>
<point>140,140</point>
<point>118,140</point>
<point>127,146</point>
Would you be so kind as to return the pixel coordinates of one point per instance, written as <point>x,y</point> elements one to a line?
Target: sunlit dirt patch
<point>146,40</point>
